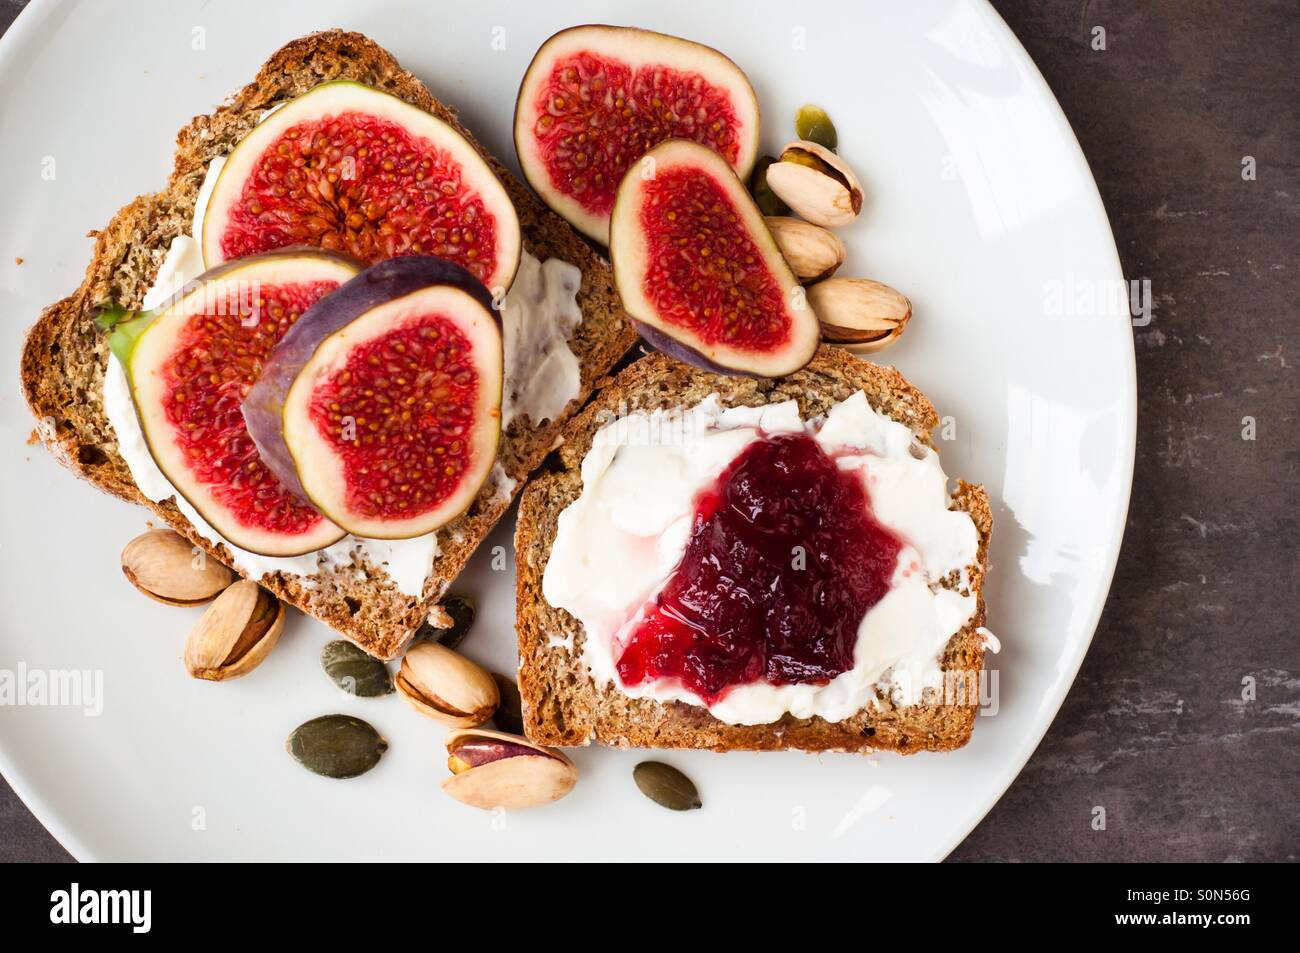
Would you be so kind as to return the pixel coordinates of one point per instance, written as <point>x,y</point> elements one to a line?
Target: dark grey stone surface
<point>1156,730</point>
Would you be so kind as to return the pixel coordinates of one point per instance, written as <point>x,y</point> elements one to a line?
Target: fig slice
<point>382,405</point>
<point>698,271</point>
<point>190,363</point>
<point>596,98</point>
<point>347,167</point>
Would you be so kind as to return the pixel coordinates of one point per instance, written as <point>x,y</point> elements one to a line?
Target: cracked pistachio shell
<point>235,633</point>
<point>817,184</point>
<point>443,685</point>
<point>493,769</point>
<point>859,314</point>
<point>812,252</point>
<point>166,566</point>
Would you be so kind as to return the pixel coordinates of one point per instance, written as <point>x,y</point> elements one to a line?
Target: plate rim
<point>1129,406</point>
<point>27,22</point>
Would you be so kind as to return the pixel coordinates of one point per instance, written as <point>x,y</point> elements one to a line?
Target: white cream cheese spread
<point>538,317</point>
<point>618,544</point>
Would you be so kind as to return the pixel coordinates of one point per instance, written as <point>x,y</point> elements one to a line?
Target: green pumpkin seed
<point>461,610</point>
<point>509,716</point>
<point>768,202</point>
<point>666,786</point>
<point>336,746</point>
<point>352,670</point>
<point>812,124</point>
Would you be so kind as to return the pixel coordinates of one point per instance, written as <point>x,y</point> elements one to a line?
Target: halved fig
<point>698,271</point>
<point>595,99</point>
<point>190,364</point>
<point>382,405</point>
<point>348,167</point>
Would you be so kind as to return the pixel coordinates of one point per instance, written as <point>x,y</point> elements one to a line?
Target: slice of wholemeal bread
<point>563,706</point>
<point>64,357</point>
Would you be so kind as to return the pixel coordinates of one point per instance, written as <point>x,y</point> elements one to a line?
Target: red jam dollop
<point>783,561</point>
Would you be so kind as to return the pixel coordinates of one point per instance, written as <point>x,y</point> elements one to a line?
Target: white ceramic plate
<point>980,207</point>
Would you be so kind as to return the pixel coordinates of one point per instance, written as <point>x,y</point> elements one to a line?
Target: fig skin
<point>389,280</point>
<point>681,352</point>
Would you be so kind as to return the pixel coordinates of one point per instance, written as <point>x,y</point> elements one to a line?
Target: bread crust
<point>561,703</point>
<point>64,357</point>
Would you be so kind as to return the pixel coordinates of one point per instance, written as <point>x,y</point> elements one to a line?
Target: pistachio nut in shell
<point>492,769</point>
<point>443,685</point>
<point>816,183</point>
<point>859,314</point>
<point>166,566</point>
<point>871,347</point>
<point>235,633</point>
<point>812,252</point>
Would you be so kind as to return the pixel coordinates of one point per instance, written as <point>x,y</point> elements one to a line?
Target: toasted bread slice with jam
<point>564,706</point>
